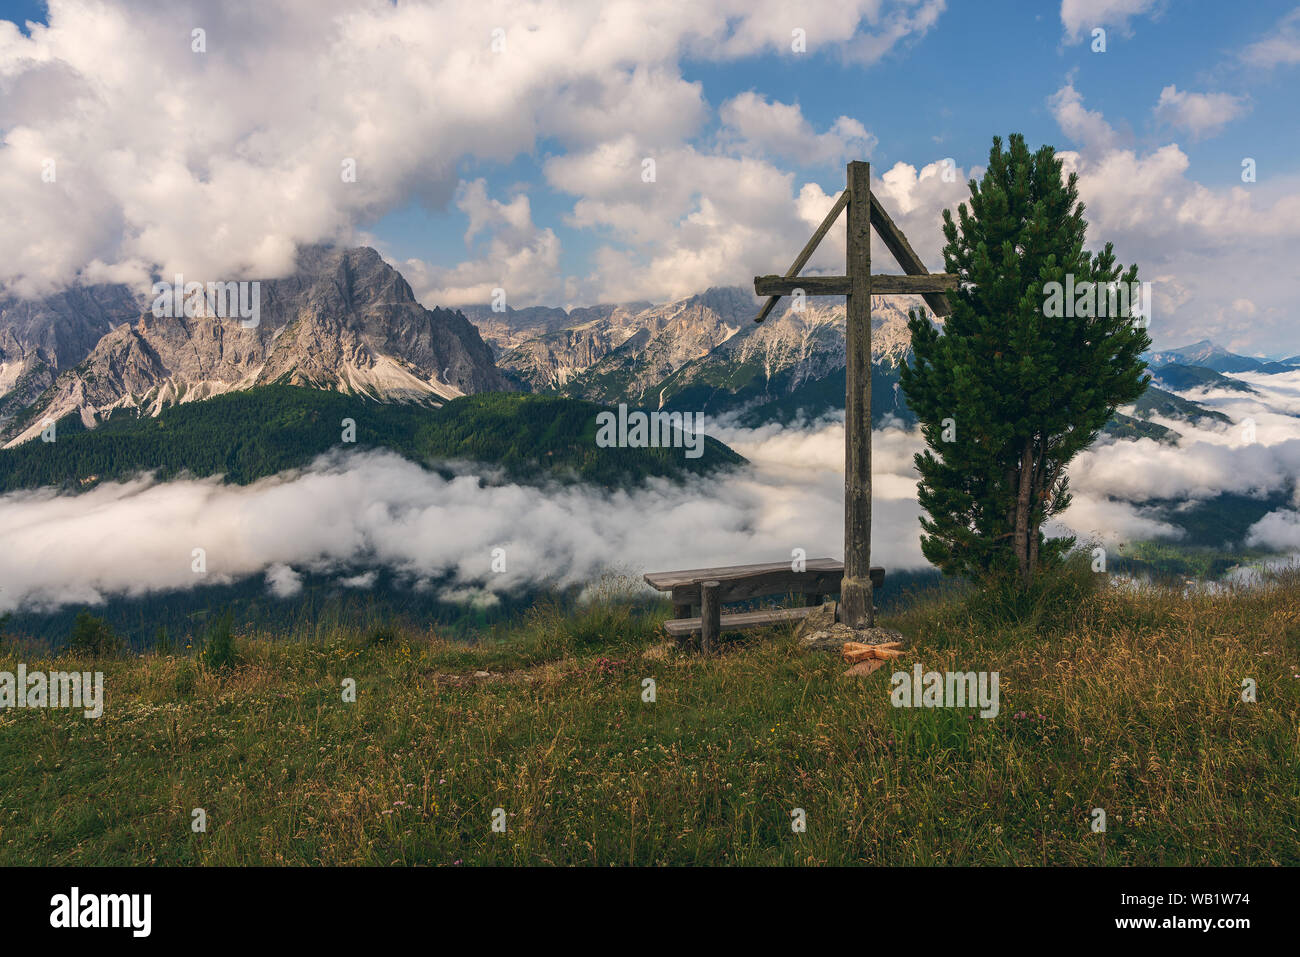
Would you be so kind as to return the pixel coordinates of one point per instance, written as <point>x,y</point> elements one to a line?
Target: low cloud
<point>379,510</point>
<point>349,514</point>
<point>1278,530</point>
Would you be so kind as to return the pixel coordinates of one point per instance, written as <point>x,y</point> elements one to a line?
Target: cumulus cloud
<point>1186,236</point>
<point>915,200</point>
<point>780,129</point>
<point>215,156</point>
<point>1200,114</point>
<point>703,219</point>
<point>519,258</point>
<point>1080,17</point>
<point>1084,126</point>
<point>710,218</point>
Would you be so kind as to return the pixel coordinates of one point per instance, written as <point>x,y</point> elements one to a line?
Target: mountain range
<point>703,353</point>
<point>1207,355</point>
<point>347,321</point>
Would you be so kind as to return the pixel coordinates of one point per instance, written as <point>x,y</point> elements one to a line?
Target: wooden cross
<point>858,286</point>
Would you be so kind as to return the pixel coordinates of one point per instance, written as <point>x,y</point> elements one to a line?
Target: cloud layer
<point>346,514</point>
<point>380,510</point>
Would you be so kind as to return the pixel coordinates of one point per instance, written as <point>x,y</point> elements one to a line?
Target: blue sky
<point>955,74</point>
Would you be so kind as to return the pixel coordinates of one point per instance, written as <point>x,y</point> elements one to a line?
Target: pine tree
<point>1013,389</point>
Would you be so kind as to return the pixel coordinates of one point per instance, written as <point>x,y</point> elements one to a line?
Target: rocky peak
<point>344,320</point>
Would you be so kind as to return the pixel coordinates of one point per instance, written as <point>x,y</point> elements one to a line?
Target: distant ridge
<point>1209,355</point>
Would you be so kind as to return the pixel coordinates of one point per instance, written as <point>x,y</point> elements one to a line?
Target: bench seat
<point>683,627</point>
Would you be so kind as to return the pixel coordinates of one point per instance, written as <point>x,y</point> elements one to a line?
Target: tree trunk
<point>1042,488</point>
<point>1020,541</point>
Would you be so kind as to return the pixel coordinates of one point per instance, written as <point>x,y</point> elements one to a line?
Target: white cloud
<point>1278,530</point>
<point>217,164</point>
<point>712,218</point>
<point>915,200</point>
<point>780,130</point>
<point>379,510</point>
<point>1201,247</point>
<point>1280,47</point>
<point>282,581</point>
<point>1093,518</point>
<point>1082,16</point>
<point>1146,470</point>
<point>1201,114</point>
<point>520,258</point>
<point>706,218</point>
<point>1085,126</point>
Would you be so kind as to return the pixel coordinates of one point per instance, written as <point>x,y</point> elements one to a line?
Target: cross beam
<point>777,286</point>
<point>858,286</point>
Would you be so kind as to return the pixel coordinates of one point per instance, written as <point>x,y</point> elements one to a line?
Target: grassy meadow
<point>1123,699</point>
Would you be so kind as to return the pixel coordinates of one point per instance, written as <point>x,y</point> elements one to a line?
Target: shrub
<point>218,652</point>
<point>1048,603</point>
<point>184,681</point>
<point>162,642</point>
<point>93,636</point>
<point>383,635</point>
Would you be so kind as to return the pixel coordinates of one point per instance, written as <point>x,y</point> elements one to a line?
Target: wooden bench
<point>698,594</point>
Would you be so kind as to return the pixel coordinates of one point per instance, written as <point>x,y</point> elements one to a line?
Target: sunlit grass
<point>1127,700</point>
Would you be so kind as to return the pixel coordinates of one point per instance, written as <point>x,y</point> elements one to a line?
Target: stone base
<point>821,632</point>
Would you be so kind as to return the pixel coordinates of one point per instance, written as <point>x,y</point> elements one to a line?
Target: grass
<point>1124,699</point>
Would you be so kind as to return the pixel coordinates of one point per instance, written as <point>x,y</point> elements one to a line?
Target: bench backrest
<point>821,576</point>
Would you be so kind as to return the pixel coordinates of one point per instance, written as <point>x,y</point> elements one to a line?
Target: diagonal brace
<point>806,253</point>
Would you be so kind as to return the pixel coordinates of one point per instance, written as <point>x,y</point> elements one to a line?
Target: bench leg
<point>710,615</point>
<point>682,611</point>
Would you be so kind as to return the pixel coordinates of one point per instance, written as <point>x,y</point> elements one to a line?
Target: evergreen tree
<point>94,637</point>
<point>1020,380</point>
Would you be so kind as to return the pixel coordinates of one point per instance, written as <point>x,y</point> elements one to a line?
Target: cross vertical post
<point>856,607</point>
<point>864,213</point>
